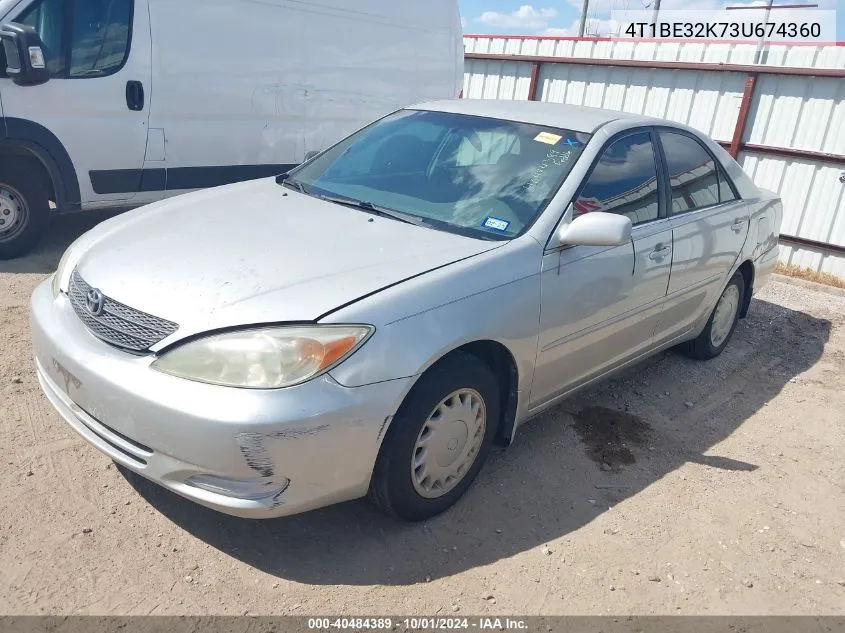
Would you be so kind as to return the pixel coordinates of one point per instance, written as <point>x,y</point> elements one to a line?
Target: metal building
<point>783,119</point>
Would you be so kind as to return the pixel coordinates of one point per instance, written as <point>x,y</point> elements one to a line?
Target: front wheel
<point>438,440</point>
<point>722,323</point>
<point>24,210</point>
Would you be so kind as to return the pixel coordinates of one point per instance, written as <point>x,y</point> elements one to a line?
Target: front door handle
<point>135,96</point>
<point>659,253</point>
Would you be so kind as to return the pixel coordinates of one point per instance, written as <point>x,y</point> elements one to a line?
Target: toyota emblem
<point>95,302</point>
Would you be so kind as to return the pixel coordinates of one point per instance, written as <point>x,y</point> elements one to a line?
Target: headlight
<point>59,275</point>
<point>268,358</point>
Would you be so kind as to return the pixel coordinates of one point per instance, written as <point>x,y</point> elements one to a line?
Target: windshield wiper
<point>383,212</point>
<point>287,181</point>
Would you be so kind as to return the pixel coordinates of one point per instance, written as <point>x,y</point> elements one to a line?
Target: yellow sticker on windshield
<point>548,138</point>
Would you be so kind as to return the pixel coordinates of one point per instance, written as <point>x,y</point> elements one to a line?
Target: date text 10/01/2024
<point>418,623</point>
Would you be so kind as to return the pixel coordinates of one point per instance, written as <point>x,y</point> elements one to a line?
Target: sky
<point>560,17</point>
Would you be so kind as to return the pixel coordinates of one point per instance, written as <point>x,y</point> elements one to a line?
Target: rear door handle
<point>739,224</point>
<point>135,96</point>
<point>659,253</point>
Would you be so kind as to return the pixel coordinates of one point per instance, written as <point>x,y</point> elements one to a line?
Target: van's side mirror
<point>25,61</point>
<point>310,155</point>
<point>596,229</point>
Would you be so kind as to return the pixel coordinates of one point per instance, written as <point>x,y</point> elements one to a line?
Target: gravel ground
<point>680,488</point>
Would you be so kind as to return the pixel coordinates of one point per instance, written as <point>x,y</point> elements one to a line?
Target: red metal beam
<point>788,152</point>
<point>653,40</point>
<point>822,246</point>
<point>838,73</point>
<point>742,118</point>
<point>532,87</point>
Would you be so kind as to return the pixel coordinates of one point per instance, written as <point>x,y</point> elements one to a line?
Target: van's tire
<point>721,324</point>
<point>453,387</point>
<point>24,210</point>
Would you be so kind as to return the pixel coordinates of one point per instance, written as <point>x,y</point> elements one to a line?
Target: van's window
<point>100,37</point>
<point>48,18</point>
<point>98,32</point>
<point>693,176</point>
<point>481,177</point>
<point>623,181</point>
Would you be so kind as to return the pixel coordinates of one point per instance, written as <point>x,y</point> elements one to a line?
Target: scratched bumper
<point>254,454</point>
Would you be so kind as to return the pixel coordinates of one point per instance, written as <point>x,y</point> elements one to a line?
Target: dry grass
<point>810,275</point>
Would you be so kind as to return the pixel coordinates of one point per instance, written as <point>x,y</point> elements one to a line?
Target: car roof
<point>571,117</point>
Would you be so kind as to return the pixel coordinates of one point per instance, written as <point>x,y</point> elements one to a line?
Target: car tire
<point>24,210</point>
<point>447,393</point>
<point>721,324</point>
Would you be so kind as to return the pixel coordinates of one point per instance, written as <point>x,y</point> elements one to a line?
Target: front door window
<point>82,38</point>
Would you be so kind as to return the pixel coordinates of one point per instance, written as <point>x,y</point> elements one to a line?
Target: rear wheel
<point>24,210</point>
<point>438,440</point>
<point>722,323</point>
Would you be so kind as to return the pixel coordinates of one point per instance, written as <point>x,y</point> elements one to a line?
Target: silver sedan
<point>371,322</point>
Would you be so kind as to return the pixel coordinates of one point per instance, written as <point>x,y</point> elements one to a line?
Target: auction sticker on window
<point>548,138</point>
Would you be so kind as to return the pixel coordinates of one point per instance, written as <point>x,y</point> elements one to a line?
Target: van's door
<point>96,103</point>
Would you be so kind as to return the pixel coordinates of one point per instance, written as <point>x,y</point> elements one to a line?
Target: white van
<point>117,103</point>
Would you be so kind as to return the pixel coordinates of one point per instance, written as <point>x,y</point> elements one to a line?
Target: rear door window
<point>695,180</point>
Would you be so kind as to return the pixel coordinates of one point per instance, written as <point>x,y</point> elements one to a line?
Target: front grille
<point>118,324</point>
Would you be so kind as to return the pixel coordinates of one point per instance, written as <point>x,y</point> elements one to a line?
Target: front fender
<point>494,296</point>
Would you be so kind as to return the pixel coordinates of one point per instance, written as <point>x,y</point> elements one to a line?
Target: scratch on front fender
<point>384,426</point>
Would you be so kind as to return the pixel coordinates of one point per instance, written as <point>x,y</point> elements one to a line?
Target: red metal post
<point>532,87</point>
<point>742,119</point>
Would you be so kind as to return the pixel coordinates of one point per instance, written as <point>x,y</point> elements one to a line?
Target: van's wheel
<point>24,210</point>
<point>722,323</point>
<point>438,440</point>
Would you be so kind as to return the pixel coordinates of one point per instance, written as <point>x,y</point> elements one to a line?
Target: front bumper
<point>249,453</point>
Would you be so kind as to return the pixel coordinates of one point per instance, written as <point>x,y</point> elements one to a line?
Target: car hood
<point>258,253</point>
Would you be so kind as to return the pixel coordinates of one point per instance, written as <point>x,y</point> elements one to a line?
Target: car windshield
<point>481,177</point>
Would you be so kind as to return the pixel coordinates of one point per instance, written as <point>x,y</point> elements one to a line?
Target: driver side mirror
<point>595,229</point>
<point>311,154</point>
<point>25,61</point>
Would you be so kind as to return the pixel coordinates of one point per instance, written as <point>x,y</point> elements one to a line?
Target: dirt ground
<point>678,488</point>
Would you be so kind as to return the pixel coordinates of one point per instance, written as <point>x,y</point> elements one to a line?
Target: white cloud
<point>526,17</point>
<point>594,27</point>
<point>601,28</point>
<point>555,32</point>
<point>463,23</point>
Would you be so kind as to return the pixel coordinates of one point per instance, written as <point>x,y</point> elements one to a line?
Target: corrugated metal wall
<point>794,112</point>
<point>603,48</point>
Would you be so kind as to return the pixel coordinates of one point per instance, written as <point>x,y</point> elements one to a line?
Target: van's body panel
<point>232,90</point>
